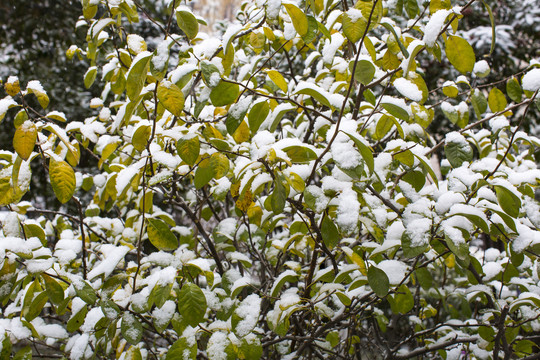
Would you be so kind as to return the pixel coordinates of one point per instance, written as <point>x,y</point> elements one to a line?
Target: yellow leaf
<point>245,200</point>
<point>24,139</point>
<point>242,133</point>
<point>171,97</point>
<point>278,79</point>
<point>12,86</point>
<point>298,18</point>
<point>140,137</point>
<point>62,179</point>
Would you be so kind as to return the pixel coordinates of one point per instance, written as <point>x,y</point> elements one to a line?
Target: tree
<point>276,193</point>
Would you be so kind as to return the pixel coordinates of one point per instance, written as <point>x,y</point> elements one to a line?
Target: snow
<point>434,27</point>
<point>348,211</point>
<point>394,269</point>
<point>331,46</point>
<point>481,68</point>
<point>216,346</point>
<point>248,310</point>
<point>5,104</point>
<point>408,89</point>
<point>112,256</point>
<point>164,314</point>
<point>136,43</point>
<point>36,86</point>
<point>354,14</point>
<point>91,319</point>
<point>419,231</point>
<point>78,349</point>
<point>531,80</point>
<point>231,31</point>
<point>162,54</point>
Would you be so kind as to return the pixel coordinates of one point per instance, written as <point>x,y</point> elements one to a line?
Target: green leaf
<point>509,202</point>
<point>493,30</point>
<point>396,110</point>
<point>317,94</point>
<point>496,100</point>
<point>191,304</point>
<point>208,70</point>
<point>187,22</point>
<point>62,179</point>
<point>85,292</point>
<point>479,102</point>
<point>364,72</point>
<point>258,113</point>
<point>329,232</point>
<point>513,90</point>
<point>424,278</point>
<point>24,139</point>
<point>390,28</point>
<point>24,354</point>
<point>287,277</point>
<point>298,18</point>
<point>403,300</point>
<point>189,148</point>
<point>251,349</point>
<point>54,290</point>
<point>131,328</point>
<point>300,154</point>
<point>75,322</point>
<point>203,174</point>
<point>136,77</point>
<point>378,281</point>
<point>458,152</point>
<point>224,93</point>
<point>171,97</point>
<point>161,236</point>
<point>36,306</point>
<point>134,353</point>
<point>178,350</point>
<point>411,7</point>
<point>279,196</point>
<point>460,54</point>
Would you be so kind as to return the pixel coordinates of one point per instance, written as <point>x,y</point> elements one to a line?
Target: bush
<point>290,190</point>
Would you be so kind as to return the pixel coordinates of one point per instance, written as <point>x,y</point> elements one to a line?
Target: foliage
<point>275,193</point>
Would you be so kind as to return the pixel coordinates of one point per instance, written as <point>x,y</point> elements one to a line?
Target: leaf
<point>131,328</point>
<point>411,7</point>
<point>316,93</point>
<point>403,300</point>
<point>189,148</point>
<point>479,102</point>
<point>278,79</point>
<point>364,72</point>
<point>24,139</point>
<point>378,281</point>
<point>329,232</point>
<point>191,304</point>
<point>278,197</point>
<point>258,113</point>
<point>224,93</point>
<point>365,151</point>
<point>410,251</point>
<point>287,276</point>
<point>62,178</point>
<point>85,292</point>
<point>493,30</point>
<point>390,27</point>
<point>458,152</point>
<point>460,54</point>
<point>187,22</point>
<point>496,100</point>
<point>509,202</point>
<point>178,350</point>
<point>134,353</point>
<point>513,90</point>
<point>203,174</point>
<point>139,140</point>
<point>34,87</point>
<point>136,77</point>
<point>171,97</point>
<point>300,154</point>
<point>24,354</point>
<point>396,110</point>
<point>55,292</point>
<point>161,236</point>
<point>219,163</point>
<point>298,18</point>
<point>90,76</point>
<point>353,30</point>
